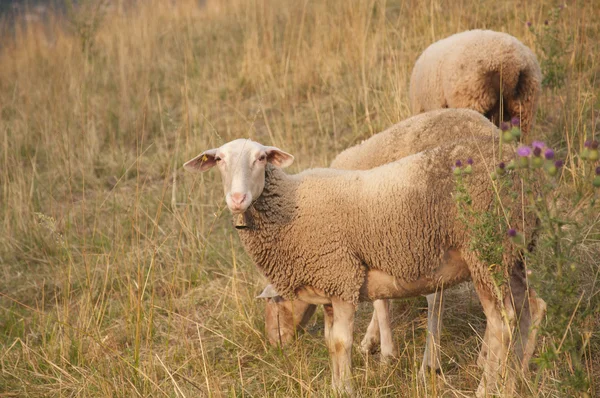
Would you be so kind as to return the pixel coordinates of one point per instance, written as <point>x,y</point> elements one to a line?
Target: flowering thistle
<point>598,171</point>
<point>501,169</point>
<point>504,126</point>
<point>529,24</point>
<point>537,151</point>
<point>515,121</point>
<point>538,144</point>
<point>553,168</point>
<point>458,163</point>
<point>524,151</point>
<point>587,144</point>
<point>593,155</point>
<point>470,161</point>
<point>549,154</point>
<point>515,237</point>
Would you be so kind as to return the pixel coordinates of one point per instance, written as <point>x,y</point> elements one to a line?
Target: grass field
<point>120,275</point>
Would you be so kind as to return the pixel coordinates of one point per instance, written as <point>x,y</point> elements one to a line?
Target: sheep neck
<point>275,207</point>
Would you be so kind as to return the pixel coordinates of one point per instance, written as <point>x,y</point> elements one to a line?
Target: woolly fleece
<point>469,69</point>
<point>323,227</point>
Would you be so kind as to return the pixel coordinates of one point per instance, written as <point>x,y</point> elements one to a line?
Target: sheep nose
<point>238,198</point>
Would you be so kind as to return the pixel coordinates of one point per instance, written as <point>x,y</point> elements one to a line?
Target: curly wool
<point>471,69</point>
<point>415,134</point>
<point>322,228</point>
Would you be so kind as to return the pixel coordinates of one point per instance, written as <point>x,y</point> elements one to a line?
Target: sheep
<point>335,237</point>
<point>490,72</point>
<point>415,134</point>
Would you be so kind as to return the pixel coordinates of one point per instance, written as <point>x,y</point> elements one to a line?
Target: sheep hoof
<point>426,370</point>
<point>369,345</point>
<point>388,358</point>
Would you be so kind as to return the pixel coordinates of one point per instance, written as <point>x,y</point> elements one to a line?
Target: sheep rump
<point>473,69</point>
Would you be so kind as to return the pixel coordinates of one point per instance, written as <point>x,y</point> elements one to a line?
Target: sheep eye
<point>262,157</point>
<point>217,159</point>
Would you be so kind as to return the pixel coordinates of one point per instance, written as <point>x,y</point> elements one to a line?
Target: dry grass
<point>121,275</point>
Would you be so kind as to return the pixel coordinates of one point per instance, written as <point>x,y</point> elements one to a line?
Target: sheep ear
<point>278,158</point>
<point>204,161</point>
<point>268,292</point>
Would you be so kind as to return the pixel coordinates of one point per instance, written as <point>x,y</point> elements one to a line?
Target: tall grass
<point>121,275</point>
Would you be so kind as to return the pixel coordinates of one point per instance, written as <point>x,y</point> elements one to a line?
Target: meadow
<point>121,275</point>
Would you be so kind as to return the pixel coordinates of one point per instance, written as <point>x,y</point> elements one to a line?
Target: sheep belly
<point>380,285</point>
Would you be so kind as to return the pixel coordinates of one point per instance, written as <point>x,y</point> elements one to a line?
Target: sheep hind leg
<point>484,349</point>
<point>370,342</point>
<point>431,356</point>
<point>388,348</point>
<point>530,312</point>
<point>339,341</point>
<point>499,325</point>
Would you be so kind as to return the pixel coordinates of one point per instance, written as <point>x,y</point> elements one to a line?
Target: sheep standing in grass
<point>335,237</point>
<point>413,135</point>
<point>490,72</point>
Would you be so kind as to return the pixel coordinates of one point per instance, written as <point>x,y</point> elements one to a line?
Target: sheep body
<point>480,70</point>
<point>413,135</point>
<point>323,228</point>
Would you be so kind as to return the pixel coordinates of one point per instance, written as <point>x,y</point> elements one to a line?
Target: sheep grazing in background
<point>335,237</point>
<point>490,72</point>
<point>418,133</point>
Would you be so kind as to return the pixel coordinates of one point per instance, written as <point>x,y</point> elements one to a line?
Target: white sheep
<point>490,72</point>
<point>415,134</point>
<point>334,237</point>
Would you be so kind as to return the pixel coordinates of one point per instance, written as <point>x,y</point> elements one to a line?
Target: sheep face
<point>284,317</point>
<point>242,165</point>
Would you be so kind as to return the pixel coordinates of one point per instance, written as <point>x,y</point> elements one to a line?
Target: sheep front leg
<point>339,342</point>
<point>431,357</point>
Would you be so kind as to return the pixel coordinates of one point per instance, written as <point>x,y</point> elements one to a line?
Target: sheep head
<point>242,165</point>
<point>284,317</point>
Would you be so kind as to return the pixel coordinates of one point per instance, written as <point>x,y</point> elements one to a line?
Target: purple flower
<point>512,232</point>
<point>598,171</point>
<point>538,144</point>
<point>515,121</point>
<point>524,151</point>
<point>587,144</point>
<point>458,163</point>
<point>504,126</point>
<point>558,164</point>
<point>537,151</point>
<point>501,165</point>
<point>594,144</point>
<point>528,24</point>
<point>546,22</point>
<point>470,161</point>
<point>549,154</point>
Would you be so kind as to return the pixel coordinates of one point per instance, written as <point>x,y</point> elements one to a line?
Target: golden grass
<point>121,275</point>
